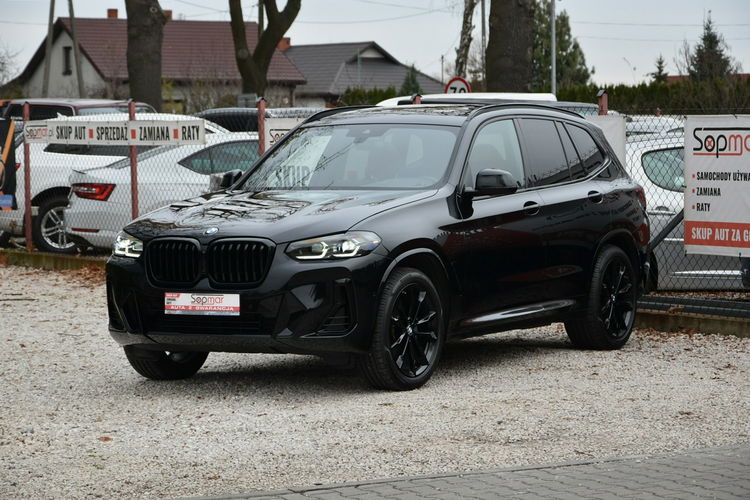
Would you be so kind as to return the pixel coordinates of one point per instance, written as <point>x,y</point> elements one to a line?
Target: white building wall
<point>61,85</point>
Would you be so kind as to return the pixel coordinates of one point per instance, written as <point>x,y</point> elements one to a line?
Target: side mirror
<point>229,178</point>
<point>491,181</point>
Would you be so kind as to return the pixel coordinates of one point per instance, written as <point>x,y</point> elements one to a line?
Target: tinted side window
<point>574,162</point>
<point>233,155</point>
<point>590,154</point>
<point>664,168</point>
<point>545,159</point>
<point>496,146</point>
<point>223,157</point>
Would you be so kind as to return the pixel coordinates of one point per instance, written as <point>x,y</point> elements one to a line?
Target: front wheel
<point>409,333</point>
<point>608,319</point>
<point>164,365</point>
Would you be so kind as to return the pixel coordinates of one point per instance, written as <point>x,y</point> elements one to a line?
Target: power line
<point>647,39</point>
<point>660,25</point>
<point>362,21</point>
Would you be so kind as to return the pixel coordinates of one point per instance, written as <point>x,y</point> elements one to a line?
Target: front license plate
<point>203,304</point>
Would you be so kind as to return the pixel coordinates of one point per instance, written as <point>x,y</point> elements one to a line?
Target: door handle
<point>661,211</point>
<point>531,208</point>
<point>595,196</point>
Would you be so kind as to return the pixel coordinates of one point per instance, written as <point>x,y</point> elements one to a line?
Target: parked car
<point>657,163</point>
<point>376,234</point>
<point>51,165</point>
<point>100,201</point>
<point>649,125</point>
<point>46,108</point>
<point>246,119</point>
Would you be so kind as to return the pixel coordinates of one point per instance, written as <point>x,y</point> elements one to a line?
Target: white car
<point>51,165</point>
<point>100,202</point>
<point>657,164</point>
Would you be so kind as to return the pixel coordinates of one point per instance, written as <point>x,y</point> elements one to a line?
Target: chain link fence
<point>81,194</point>
<point>655,158</point>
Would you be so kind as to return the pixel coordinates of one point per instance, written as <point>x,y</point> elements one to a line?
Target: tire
<point>4,239</point>
<point>607,320</point>
<point>409,333</point>
<point>164,365</point>
<point>48,228</point>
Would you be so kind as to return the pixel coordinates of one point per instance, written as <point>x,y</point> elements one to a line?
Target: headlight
<point>128,246</point>
<point>336,246</point>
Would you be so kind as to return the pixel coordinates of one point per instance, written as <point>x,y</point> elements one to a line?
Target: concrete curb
<point>43,260</point>
<point>321,487</point>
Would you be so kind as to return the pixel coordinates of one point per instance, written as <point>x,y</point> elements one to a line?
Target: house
<point>198,65</point>
<point>332,68</point>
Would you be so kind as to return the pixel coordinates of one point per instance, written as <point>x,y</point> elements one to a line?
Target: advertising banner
<point>277,127</point>
<point>7,166</point>
<point>717,179</point>
<point>117,132</point>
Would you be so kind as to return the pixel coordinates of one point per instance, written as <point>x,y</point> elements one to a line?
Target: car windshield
<point>360,156</point>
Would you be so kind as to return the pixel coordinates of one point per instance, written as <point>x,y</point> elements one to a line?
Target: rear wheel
<point>608,319</point>
<point>409,333</point>
<point>165,365</point>
<point>48,227</point>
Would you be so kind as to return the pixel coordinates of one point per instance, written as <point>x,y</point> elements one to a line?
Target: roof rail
<point>526,104</point>
<point>328,112</point>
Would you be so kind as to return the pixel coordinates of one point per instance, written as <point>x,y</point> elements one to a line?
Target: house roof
<point>332,68</point>
<point>190,50</point>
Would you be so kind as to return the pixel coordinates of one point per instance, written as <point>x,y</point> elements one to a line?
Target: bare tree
<point>145,33</point>
<point>254,67</point>
<point>7,63</point>
<point>462,52</point>
<point>510,46</point>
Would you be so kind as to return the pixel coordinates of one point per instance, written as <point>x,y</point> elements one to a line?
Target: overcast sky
<point>621,39</point>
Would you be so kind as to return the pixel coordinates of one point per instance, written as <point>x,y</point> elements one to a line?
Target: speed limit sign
<point>457,86</point>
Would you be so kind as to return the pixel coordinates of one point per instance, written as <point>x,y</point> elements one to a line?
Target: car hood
<point>280,216</point>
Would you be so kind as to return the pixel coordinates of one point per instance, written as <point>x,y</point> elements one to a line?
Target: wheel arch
<point>429,262</point>
<point>624,240</point>
<point>50,193</point>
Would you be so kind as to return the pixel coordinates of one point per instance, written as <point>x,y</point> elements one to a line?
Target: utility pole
<point>442,60</point>
<point>553,78</point>
<point>484,50</point>
<point>48,50</point>
<point>76,49</point>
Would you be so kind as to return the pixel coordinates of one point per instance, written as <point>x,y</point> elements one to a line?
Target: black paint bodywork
<point>499,262</point>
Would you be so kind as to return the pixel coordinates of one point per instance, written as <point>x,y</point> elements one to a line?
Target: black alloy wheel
<point>164,365</point>
<point>409,333</point>
<point>608,319</point>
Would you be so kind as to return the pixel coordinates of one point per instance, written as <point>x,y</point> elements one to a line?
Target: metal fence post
<point>133,167</point>
<point>27,182</point>
<point>261,126</point>
<point>603,101</point>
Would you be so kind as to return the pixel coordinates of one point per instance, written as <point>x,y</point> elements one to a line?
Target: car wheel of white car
<point>48,228</point>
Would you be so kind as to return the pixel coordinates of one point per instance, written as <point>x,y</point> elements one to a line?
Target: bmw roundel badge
<point>211,230</point>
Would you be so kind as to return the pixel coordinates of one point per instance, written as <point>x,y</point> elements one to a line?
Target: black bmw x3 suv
<point>376,234</point>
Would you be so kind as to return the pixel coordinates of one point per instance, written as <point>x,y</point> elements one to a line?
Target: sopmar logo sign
<point>717,178</point>
<point>719,141</point>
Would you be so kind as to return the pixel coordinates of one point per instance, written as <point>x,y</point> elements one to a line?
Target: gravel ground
<point>78,422</point>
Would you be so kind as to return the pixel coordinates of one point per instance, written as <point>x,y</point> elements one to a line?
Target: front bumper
<point>300,307</point>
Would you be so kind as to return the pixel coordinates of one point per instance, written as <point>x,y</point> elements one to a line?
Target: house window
<point>66,60</point>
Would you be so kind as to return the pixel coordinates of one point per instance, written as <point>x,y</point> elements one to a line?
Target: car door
<point>495,250</point>
<point>575,204</point>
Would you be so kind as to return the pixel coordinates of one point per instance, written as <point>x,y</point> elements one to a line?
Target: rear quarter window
<point>591,156</point>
